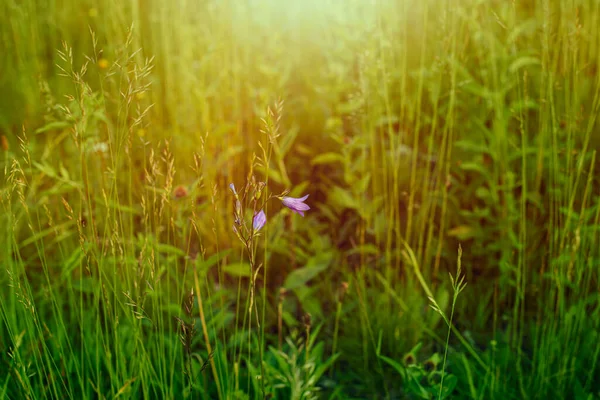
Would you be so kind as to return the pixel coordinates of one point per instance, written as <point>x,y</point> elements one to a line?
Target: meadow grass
<point>448,148</point>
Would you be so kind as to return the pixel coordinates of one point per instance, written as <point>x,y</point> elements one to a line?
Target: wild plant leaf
<point>327,158</point>
<point>169,250</point>
<point>220,320</point>
<point>394,364</point>
<point>314,267</point>
<point>117,206</point>
<point>85,285</point>
<point>46,232</point>
<point>472,87</point>
<point>323,367</point>
<point>51,126</point>
<point>327,211</point>
<point>450,382</point>
<point>273,174</point>
<point>341,198</point>
<point>522,62</point>
<point>301,189</point>
<point>523,105</point>
<point>206,264</point>
<point>46,169</point>
<point>72,262</point>
<point>241,269</point>
<point>367,248</point>
<point>253,372</point>
<point>386,120</point>
<point>472,146</point>
<point>350,106</point>
<point>482,192</point>
<point>286,141</point>
<point>476,167</point>
<point>525,27</point>
<point>229,153</point>
<point>310,301</point>
<point>362,184</point>
<point>333,123</point>
<point>289,319</point>
<point>462,232</point>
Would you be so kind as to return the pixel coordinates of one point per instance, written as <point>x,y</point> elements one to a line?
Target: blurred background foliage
<point>415,126</point>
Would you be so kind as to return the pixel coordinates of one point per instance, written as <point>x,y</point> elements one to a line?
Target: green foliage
<point>417,127</point>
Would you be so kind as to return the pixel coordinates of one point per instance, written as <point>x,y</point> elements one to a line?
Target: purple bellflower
<point>296,204</point>
<point>259,220</point>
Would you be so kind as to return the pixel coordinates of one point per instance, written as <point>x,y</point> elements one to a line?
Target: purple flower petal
<point>259,220</point>
<point>296,204</point>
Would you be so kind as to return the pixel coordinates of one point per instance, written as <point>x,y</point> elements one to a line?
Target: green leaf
<point>56,125</point>
<point>450,382</point>
<point>327,158</point>
<point>273,174</point>
<point>117,206</point>
<point>314,267</point>
<point>168,249</point>
<point>476,167</point>
<point>482,193</point>
<point>364,249</point>
<point>363,184</point>
<point>46,232</point>
<point>46,169</point>
<point>341,198</point>
<point>85,285</point>
<point>523,104</point>
<point>471,146</point>
<point>323,367</point>
<point>350,106</point>
<point>72,262</point>
<point>206,264</point>
<point>286,141</point>
<point>522,62</point>
<point>394,364</point>
<point>462,232</point>
<point>227,155</point>
<point>241,269</point>
<point>299,189</point>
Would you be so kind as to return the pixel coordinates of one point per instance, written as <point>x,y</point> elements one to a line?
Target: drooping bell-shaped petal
<point>296,204</point>
<point>232,188</point>
<point>259,220</point>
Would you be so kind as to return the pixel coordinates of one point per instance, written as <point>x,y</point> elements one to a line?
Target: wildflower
<point>409,359</point>
<point>296,204</point>
<point>179,192</point>
<point>430,365</point>
<point>232,187</point>
<point>103,63</point>
<point>259,220</point>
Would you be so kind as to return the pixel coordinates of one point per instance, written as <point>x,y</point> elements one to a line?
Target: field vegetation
<point>152,244</point>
